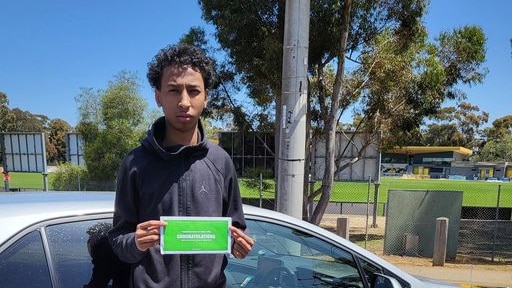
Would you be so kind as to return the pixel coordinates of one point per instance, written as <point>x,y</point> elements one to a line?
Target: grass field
<point>26,180</point>
<point>476,193</point>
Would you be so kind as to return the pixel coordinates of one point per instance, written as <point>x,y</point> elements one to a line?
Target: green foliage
<point>24,121</point>
<point>500,128</point>
<point>56,140</point>
<point>104,155</point>
<point>497,150</point>
<point>463,51</point>
<point>68,177</point>
<point>211,130</point>
<point>111,124</point>
<point>121,102</point>
<point>5,113</point>
<point>253,180</point>
<point>456,126</point>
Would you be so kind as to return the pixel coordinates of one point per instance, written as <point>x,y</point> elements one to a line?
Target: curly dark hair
<point>180,55</point>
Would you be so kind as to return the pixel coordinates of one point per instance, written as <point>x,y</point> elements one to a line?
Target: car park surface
<point>52,239</point>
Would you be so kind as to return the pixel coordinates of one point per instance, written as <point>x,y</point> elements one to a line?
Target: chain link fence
<point>481,225</point>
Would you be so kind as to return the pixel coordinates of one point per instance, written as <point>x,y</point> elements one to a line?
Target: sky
<point>50,50</point>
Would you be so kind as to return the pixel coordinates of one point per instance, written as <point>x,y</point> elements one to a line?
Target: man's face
<point>182,96</point>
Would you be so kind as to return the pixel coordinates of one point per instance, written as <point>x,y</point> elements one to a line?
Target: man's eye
<point>194,92</point>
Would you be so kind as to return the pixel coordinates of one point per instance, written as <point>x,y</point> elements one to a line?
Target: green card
<point>195,235</point>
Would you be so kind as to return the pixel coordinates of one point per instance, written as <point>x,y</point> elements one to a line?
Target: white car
<point>58,239</point>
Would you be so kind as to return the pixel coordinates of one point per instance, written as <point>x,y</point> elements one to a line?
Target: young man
<point>176,172</point>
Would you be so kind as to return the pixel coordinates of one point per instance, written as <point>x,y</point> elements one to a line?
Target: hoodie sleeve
<point>122,234</point>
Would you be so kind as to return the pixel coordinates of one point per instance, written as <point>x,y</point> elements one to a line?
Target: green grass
<point>26,181</point>
<point>476,193</point>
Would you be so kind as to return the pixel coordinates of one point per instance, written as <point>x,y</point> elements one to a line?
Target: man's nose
<point>184,100</point>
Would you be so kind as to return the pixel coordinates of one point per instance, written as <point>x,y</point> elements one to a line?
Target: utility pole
<point>292,140</point>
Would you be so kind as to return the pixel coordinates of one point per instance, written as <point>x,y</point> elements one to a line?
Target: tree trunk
<point>331,123</point>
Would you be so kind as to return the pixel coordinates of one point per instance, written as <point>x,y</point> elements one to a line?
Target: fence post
<point>367,211</point>
<point>495,230</point>
<point>376,204</point>
<point>261,189</point>
<point>45,181</point>
<point>440,241</point>
<point>342,227</point>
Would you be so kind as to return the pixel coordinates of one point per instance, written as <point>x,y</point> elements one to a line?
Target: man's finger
<point>239,233</point>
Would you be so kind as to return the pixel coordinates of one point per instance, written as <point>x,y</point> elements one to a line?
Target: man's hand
<point>242,243</point>
<point>147,234</point>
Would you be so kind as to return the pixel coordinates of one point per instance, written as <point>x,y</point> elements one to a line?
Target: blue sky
<point>51,49</point>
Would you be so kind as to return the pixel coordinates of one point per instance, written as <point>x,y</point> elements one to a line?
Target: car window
<point>369,270</point>
<point>83,257</point>
<point>23,264</point>
<point>285,257</point>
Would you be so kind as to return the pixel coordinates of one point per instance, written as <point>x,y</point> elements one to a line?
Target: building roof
<point>411,150</point>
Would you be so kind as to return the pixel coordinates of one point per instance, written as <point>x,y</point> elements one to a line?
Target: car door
<point>285,256</point>
<point>23,263</point>
<point>69,252</point>
<point>81,255</point>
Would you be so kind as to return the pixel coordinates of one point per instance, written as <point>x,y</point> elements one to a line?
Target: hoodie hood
<point>155,137</point>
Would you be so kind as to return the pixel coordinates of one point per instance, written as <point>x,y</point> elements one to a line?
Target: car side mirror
<point>384,281</point>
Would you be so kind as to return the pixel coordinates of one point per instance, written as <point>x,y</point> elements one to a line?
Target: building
<point>253,153</point>
<point>441,162</point>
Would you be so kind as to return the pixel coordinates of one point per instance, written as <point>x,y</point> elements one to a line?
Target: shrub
<point>69,177</point>
<point>252,178</point>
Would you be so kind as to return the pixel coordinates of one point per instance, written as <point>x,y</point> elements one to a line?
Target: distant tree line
<point>17,120</point>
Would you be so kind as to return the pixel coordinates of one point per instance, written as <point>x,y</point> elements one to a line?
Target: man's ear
<point>205,99</point>
<point>157,98</point>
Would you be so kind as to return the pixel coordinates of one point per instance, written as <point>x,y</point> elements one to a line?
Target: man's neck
<point>174,137</point>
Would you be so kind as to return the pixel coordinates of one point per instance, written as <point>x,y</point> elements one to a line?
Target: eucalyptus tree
<point>456,126</point>
<point>501,127</point>
<point>370,57</point>
<point>24,121</point>
<point>498,150</point>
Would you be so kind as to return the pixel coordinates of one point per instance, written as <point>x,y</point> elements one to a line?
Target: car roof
<point>19,210</point>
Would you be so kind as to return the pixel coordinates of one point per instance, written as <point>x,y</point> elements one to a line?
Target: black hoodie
<point>154,181</point>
